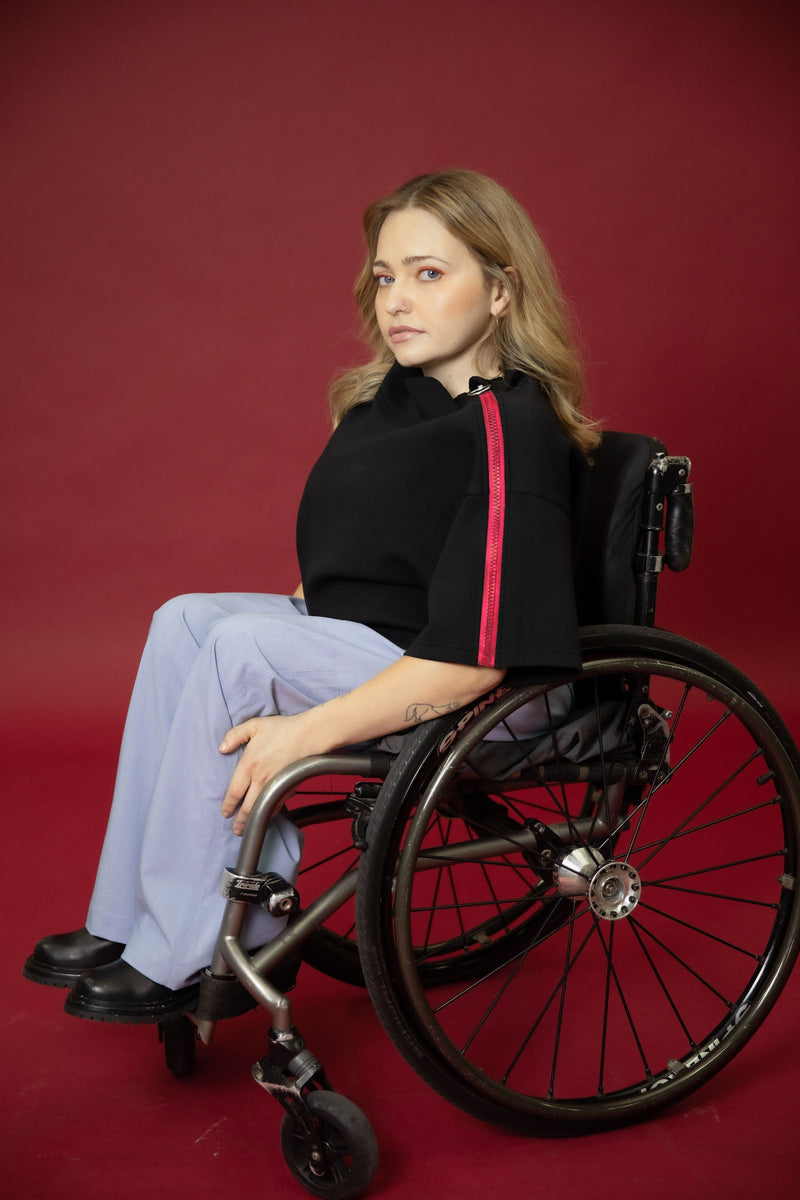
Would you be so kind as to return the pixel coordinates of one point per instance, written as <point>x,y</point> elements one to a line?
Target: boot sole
<point>38,972</point>
<point>150,1014</point>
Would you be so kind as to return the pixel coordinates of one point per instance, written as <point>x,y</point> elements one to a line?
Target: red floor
<point>90,1110</point>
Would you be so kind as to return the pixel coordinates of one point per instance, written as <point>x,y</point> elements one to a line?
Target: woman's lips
<point>402,333</point>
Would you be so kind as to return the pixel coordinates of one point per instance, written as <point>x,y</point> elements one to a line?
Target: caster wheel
<point>350,1148</point>
<point>179,1038</point>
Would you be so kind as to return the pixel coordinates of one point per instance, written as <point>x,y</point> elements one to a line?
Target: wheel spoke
<point>608,949</point>
<point>644,806</point>
<point>678,959</point>
<point>513,959</point>
<point>671,887</point>
<point>724,820</point>
<point>739,862</point>
<point>713,937</point>
<point>557,990</point>
<point>700,807</point>
<point>561,1004</point>
<point>662,985</point>
<point>348,853</point>
<point>439,876</point>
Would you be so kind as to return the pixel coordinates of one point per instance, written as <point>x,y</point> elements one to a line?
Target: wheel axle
<point>614,891</point>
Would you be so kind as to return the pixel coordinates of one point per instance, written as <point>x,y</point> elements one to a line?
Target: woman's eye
<point>430,273</point>
<point>384,280</point>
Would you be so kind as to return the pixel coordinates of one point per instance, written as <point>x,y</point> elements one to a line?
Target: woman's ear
<point>501,291</point>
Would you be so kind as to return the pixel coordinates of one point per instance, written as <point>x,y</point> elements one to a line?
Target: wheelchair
<point>562,932</point>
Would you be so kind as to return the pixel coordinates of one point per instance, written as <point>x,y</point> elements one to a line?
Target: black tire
<point>180,1042</point>
<point>349,1145</point>
<point>605,1005</point>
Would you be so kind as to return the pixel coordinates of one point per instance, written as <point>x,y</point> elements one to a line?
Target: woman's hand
<point>271,743</point>
<point>404,694</point>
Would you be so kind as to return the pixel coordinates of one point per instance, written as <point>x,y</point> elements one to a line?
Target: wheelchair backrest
<point>632,493</point>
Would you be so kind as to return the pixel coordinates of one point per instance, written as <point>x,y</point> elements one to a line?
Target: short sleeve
<point>502,591</point>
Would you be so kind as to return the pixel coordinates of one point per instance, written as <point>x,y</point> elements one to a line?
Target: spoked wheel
<point>627,879</point>
<point>349,1157</point>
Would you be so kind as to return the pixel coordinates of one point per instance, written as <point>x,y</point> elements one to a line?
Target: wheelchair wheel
<point>350,1149</point>
<point>627,880</point>
<point>330,851</point>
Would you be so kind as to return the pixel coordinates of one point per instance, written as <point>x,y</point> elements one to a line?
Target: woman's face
<point>434,305</point>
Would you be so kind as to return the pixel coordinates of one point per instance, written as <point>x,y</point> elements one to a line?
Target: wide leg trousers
<point>210,662</point>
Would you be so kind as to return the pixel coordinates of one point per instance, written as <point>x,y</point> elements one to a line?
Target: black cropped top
<point>444,523</point>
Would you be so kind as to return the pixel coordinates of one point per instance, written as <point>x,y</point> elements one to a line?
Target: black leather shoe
<point>118,992</point>
<point>60,960</point>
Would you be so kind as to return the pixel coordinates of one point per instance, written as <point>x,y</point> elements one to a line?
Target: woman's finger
<point>237,736</point>
<point>237,789</point>
<point>244,811</point>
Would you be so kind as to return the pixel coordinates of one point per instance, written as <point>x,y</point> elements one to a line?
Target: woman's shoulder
<point>538,451</point>
<point>524,398</point>
<point>528,414</point>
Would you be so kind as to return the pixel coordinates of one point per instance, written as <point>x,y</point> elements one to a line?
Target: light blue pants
<point>210,662</point>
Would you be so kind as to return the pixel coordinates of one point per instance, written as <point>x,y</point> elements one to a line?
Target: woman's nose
<point>395,301</point>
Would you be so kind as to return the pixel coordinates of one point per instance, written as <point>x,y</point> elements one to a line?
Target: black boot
<point>118,992</point>
<point>60,960</point>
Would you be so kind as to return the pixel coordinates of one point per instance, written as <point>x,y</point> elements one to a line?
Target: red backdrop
<point>183,185</point>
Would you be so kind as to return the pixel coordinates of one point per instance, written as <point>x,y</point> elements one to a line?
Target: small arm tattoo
<point>420,711</point>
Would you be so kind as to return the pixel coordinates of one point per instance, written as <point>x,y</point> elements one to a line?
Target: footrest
<point>223,996</point>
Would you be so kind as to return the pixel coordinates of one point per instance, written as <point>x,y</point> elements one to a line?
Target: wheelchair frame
<point>503,898</point>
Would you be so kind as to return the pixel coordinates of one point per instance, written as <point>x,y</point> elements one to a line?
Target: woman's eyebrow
<point>413,258</point>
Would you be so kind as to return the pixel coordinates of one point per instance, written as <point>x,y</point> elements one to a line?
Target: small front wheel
<point>349,1148</point>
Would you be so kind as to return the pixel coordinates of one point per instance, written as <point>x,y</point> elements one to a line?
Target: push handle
<point>679,528</point>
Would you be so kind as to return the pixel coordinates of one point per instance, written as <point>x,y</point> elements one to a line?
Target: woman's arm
<point>408,692</point>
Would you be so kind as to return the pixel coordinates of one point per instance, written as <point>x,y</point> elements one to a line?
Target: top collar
<point>412,396</point>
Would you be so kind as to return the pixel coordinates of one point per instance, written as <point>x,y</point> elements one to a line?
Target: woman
<point>434,547</point>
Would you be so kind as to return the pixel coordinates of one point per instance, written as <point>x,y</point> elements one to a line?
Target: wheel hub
<point>614,891</point>
<point>574,873</point>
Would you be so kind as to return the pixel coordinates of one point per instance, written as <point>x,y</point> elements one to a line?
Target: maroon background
<point>184,182</point>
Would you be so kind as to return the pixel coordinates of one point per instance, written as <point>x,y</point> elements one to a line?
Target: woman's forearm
<point>408,692</point>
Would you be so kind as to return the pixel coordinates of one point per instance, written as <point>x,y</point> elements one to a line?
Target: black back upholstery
<point>608,508</point>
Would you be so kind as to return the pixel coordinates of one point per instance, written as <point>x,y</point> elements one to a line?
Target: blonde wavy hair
<point>532,335</point>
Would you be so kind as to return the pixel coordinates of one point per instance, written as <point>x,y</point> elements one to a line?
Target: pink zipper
<point>490,605</point>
